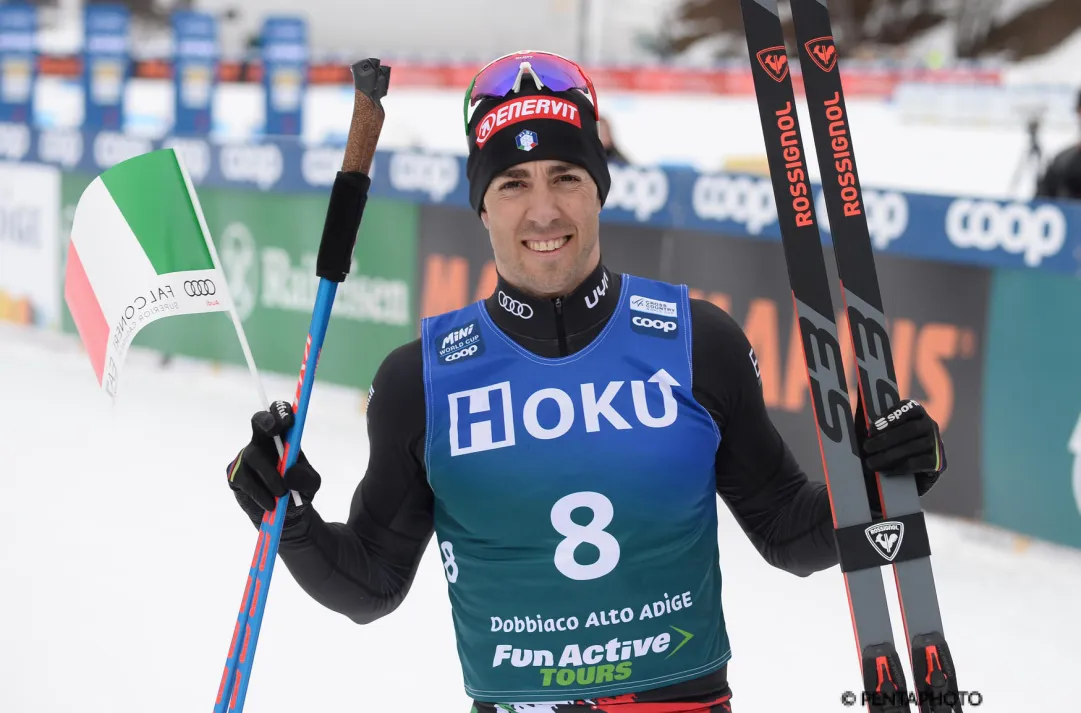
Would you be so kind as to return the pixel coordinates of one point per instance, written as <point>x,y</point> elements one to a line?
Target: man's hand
<point>905,441</point>
<point>253,474</point>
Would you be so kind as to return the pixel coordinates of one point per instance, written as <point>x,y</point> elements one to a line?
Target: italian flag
<point>139,251</point>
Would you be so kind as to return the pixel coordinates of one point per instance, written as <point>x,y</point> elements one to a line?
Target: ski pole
<point>347,200</point>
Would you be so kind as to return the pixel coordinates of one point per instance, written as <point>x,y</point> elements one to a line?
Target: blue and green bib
<point>575,504</point>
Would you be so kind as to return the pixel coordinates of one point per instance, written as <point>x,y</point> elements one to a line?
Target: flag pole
<point>264,402</point>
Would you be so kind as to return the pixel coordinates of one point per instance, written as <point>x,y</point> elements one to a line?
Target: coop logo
<point>886,213</point>
<point>744,200</point>
<point>111,148</point>
<point>648,325</point>
<point>461,343</point>
<point>1037,233</point>
<point>14,141</point>
<point>319,167</point>
<point>885,421</point>
<point>434,175</point>
<point>485,418</point>
<point>193,153</point>
<point>260,164</point>
<point>63,147</point>
<point>654,318</point>
<point>775,61</point>
<point>641,191</point>
<point>886,538</point>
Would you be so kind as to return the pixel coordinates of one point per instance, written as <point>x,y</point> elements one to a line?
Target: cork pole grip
<point>371,81</point>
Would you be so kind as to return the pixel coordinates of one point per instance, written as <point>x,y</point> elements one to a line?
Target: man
<point>1062,179</point>
<point>608,141</point>
<point>565,439</point>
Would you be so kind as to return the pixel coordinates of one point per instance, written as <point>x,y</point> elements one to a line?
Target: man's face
<point>543,218</point>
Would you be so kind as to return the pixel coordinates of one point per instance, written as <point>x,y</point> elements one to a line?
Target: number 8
<point>593,534</point>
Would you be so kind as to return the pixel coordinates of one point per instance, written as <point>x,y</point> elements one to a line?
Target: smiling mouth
<point>547,246</point>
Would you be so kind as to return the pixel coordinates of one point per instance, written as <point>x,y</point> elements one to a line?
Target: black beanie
<point>533,125</point>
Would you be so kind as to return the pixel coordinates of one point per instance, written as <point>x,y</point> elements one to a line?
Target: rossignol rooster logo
<point>823,52</point>
<point>886,538</point>
<point>775,61</point>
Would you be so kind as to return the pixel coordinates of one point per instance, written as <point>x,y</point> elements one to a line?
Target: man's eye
<point>570,176</point>
<point>510,184</point>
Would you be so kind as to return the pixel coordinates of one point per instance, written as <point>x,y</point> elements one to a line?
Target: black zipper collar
<point>550,326</point>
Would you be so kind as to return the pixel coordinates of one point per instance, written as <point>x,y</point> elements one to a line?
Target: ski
<point>885,688</point>
<point>932,666</point>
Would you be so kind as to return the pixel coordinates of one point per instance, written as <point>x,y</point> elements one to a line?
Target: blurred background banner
<point>958,229</point>
<point>106,61</point>
<point>18,61</point>
<point>30,289</point>
<point>195,70</point>
<point>1032,408</point>
<point>285,73</point>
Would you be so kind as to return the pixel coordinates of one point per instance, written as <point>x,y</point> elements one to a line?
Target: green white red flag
<point>139,252</point>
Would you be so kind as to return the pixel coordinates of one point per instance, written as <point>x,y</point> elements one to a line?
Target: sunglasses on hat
<point>547,70</point>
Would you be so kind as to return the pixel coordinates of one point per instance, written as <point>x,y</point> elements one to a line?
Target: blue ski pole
<point>347,200</point>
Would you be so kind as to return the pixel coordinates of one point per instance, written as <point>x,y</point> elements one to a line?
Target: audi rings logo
<point>661,324</point>
<point>461,354</point>
<point>518,309</point>
<point>200,288</point>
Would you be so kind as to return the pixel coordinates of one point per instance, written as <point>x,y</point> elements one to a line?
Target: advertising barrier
<point>18,61</point>
<point>1032,409</point>
<point>1039,235</point>
<point>982,295</point>
<point>195,35</point>
<point>268,245</point>
<point>106,65</point>
<point>862,78</point>
<point>285,73</point>
<point>937,331</point>
<point>29,246</point>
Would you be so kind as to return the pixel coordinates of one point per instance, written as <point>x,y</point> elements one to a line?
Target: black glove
<point>906,441</point>
<point>253,474</point>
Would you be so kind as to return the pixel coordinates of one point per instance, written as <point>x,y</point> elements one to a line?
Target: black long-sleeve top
<point>363,568</point>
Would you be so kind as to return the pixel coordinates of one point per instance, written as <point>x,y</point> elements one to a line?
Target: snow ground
<point>124,557</point>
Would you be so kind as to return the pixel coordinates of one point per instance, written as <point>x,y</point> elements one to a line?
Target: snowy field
<point>124,557</point>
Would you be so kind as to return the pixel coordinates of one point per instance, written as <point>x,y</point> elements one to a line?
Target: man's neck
<point>556,326</point>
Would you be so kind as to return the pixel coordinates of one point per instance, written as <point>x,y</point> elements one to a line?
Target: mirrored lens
<point>557,74</point>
